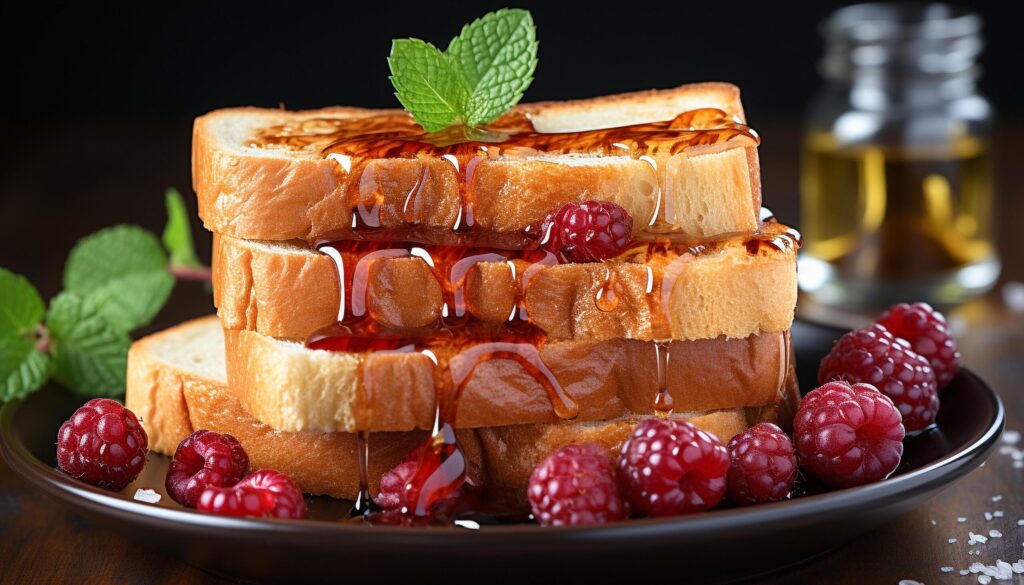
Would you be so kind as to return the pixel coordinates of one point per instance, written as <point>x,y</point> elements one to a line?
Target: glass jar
<point>896,171</point>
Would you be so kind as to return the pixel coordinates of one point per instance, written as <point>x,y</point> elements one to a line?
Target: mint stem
<point>192,273</point>
<point>42,338</point>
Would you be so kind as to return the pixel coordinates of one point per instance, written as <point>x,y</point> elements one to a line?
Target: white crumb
<point>147,495</point>
<point>995,534</point>
<point>988,516</point>
<point>952,540</point>
<point>1011,437</point>
<point>961,519</point>
<point>934,523</point>
<point>946,569</point>
<point>996,498</point>
<point>997,514</point>
<point>910,582</point>
<point>976,539</point>
<point>984,579</point>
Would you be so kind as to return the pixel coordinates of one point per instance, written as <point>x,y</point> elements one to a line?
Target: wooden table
<point>58,184</point>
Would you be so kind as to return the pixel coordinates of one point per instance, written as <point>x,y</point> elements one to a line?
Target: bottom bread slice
<point>177,384</point>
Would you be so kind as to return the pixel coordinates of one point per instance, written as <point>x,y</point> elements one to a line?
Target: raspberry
<point>848,435</point>
<point>265,494</point>
<point>205,459</point>
<point>873,356</point>
<point>392,494</point>
<point>102,444</point>
<point>575,485</point>
<point>670,467</point>
<point>926,331</point>
<point>590,231</point>
<point>762,465</point>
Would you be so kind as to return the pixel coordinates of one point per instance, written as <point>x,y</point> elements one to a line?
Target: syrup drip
<point>663,400</point>
<point>440,472</point>
<point>606,298</point>
<point>364,505</point>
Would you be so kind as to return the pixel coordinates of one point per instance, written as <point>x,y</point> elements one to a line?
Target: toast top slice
<point>277,175</point>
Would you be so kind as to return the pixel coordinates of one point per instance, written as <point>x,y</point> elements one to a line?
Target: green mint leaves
<point>177,236</point>
<point>89,352</point>
<point>427,85</point>
<point>122,271</point>
<point>481,75</point>
<point>496,55</point>
<point>22,367</point>
<point>115,281</point>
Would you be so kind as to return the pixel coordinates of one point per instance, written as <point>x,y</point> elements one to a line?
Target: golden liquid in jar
<point>879,216</point>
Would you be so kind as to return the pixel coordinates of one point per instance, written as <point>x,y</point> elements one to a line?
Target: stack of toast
<point>376,287</point>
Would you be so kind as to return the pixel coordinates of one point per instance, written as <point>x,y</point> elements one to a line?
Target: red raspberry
<point>873,356</point>
<point>590,231</point>
<point>670,467</point>
<point>264,494</point>
<point>762,465</point>
<point>392,496</point>
<point>102,444</point>
<point>848,435</point>
<point>205,459</point>
<point>575,485</point>
<point>926,331</point>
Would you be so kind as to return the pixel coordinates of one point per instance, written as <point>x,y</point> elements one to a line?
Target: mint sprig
<point>483,73</point>
<point>115,280</point>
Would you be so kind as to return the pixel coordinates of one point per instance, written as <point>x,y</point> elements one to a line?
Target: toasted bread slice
<point>250,189</point>
<point>177,384</point>
<point>293,388</point>
<point>725,288</point>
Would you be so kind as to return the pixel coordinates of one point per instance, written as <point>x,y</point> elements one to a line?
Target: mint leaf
<point>123,271</point>
<point>21,307</point>
<point>90,355</point>
<point>426,85</point>
<point>496,54</point>
<point>23,369</point>
<point>177,236</point>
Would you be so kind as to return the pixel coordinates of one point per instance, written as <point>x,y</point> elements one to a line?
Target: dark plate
<point>720,545</point>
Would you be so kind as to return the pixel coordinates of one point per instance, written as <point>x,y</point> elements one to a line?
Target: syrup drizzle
<point>662,400</point>
<point>442,465</point>
<point>364,504</point>
<point>457,344</point>
<point>356,143</point>
<point>606,299</point>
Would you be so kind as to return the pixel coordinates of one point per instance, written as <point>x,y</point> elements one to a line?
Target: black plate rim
<point>943,471</point>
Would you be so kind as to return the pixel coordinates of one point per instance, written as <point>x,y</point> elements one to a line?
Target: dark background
<point>91,62</point>
<point>99,99</point>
